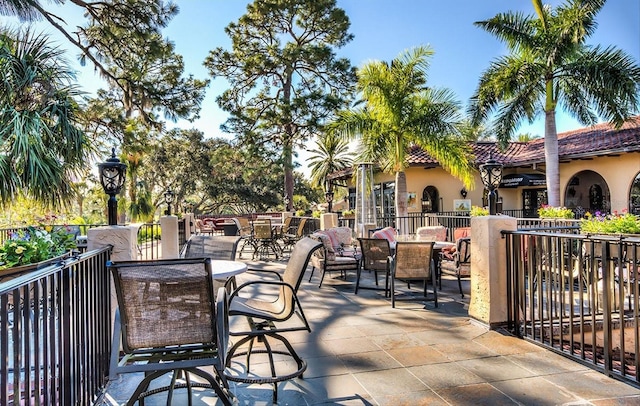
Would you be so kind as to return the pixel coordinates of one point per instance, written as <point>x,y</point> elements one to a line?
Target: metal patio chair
<point>413,261</point>
<point>375,258</point>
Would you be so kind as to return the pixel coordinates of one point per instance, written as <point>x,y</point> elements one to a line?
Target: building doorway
<point>430,200</point>
<point>532,200</point>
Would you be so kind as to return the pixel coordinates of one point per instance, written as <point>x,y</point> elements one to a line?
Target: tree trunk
<point>287,154</point>
<point>551,158</point>
<point>402,222</point>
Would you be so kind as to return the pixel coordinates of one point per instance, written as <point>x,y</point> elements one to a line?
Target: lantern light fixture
<point>112,175</point>
<point>168,199</point>
<point>491,176</point>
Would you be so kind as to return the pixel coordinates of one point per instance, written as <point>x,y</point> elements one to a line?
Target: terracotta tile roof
<point>599,140</point>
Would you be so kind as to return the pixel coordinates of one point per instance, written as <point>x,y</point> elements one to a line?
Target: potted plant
<point>34,246</point>
<point>477,211</point>
<point>348,213</point>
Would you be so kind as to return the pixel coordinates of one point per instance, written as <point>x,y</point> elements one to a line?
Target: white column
<point>124,240</point>
<point>169,230</point>
<point>488,303</point>
<point>189,225</point>
<point>328,220</point>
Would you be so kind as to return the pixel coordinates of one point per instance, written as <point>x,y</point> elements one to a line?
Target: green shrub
<point>477,211</point>
<point>600,223</point>
<point>550,212</point>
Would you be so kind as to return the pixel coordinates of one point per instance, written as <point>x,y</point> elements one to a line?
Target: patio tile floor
<point>363,352</point>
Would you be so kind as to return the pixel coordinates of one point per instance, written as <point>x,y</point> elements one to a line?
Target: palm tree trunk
<point>551,158</point>
<point>402,222</point>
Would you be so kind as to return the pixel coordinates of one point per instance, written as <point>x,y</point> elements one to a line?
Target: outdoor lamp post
<point>491,175</point>
<point>112,175</point>
<point>329,198</point>
<point>168,199</point>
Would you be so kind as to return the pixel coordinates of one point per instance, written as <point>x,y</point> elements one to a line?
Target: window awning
<point>523,179</point>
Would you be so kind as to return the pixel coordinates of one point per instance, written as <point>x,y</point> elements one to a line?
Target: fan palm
<point>41,145</point>
<point>401,111</point>
<point>550,66</point>
<point>331,155</point>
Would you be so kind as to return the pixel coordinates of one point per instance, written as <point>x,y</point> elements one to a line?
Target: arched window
<point>430,199</point>
<point>634,196</point>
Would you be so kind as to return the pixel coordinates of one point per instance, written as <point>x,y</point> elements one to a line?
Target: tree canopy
<point>285,78</point>
<point>399,110</point>
<point>550,66</point>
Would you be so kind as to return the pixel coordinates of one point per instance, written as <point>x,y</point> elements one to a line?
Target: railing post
<point>328,220</point>
<point>488,303</point>
<point>169,237</point>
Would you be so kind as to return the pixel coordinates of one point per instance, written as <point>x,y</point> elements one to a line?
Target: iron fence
<point>55,332</point>
<point>577,295</point>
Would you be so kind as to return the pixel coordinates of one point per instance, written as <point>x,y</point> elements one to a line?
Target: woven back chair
<point>375,258</point>
<point>266,313</point>
<point>295,231</point>
<point>167,322</point>
<point>459,261</point>
<point>214,247</point>
<point>264,241</point>
<point>413,261</point>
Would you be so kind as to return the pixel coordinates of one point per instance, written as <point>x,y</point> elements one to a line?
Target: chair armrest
<point>269,283</point>
<point>231,281</point>
<point>264,271</point>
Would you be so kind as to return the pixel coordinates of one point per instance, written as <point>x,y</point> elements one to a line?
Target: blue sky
<point>382,29</point>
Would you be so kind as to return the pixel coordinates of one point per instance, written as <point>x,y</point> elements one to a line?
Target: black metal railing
<point>149,235</point>
<point>577,295</point>
<point>55,333</point>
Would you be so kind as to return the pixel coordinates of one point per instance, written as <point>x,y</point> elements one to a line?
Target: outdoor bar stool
<point>168,321</point>
<point>268,307</point>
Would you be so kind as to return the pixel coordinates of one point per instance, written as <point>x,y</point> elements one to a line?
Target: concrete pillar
<point>124,240</point>
<point>189,225</point>
<point>328,220</point>
<point>488,303</point>
<point>169,239</point>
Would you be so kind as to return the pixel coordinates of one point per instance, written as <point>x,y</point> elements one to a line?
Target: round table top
<point>223,269</point>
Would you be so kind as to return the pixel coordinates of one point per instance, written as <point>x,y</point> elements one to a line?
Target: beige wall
<point>618,172</point>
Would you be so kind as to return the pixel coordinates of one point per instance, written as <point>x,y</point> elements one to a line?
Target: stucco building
<point>599,171</point>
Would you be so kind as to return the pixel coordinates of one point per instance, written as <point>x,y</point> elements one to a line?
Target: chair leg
<point>358,271</point>
<point>324,270</point>
<point>313,268</point>
<point>393,293</point>
<point>460,286</point>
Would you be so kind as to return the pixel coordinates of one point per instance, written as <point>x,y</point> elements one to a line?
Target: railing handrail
<point>60,332</point>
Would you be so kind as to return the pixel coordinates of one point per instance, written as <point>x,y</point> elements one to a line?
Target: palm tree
<point>400,111</point>
<point>550,65</point>
<point>331,155</point>
<point>25,10</point>
<point>41,143</point>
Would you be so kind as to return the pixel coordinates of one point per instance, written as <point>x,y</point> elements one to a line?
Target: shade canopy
<point>523,179</point>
